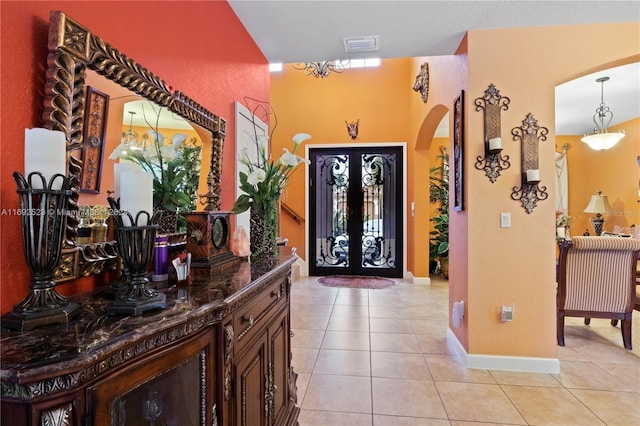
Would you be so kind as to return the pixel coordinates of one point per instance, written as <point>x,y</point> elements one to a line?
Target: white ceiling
<point>313,30</point>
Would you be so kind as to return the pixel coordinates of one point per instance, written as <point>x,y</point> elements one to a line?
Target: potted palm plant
<point>439,235</point>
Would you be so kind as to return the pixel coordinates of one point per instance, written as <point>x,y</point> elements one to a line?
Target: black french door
<point>356,220</point>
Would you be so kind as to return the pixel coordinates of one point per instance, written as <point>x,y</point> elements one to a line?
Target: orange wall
<point>615,172</point>
<point>379,97</point>
<point>212,59</point>
<point>517,264</point>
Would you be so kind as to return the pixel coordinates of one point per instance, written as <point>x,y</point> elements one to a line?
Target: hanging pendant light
<point>320,69</point>
<point>601,139</point>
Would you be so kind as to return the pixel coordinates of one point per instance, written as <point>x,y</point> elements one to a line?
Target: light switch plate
<point>505,220</point>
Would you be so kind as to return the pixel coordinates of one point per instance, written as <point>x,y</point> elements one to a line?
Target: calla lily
<point>121,151</point>
<point>298,138</point>
<point>156,137</point>
<point>168,153</point>
<point>288,159</point>
<point>256,176</point>
<point>177,140</point>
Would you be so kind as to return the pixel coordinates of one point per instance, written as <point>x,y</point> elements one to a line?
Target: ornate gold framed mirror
<point>73,50</point>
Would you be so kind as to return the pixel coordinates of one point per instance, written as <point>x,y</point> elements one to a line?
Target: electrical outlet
<point>505,220</point>
<point>506,313</point>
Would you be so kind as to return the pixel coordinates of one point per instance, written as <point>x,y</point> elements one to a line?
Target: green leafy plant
<point>174,164</point>
<point>266,178</point>
<point>439,194</point>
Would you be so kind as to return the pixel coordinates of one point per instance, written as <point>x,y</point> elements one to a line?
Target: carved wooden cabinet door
<point>250,385</point>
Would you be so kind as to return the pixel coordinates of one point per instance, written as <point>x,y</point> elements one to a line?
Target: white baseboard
<point>505,363</point>
<point>418,280</point>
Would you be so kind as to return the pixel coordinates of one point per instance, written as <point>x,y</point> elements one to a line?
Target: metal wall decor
<point>530,192</point>
<point>458,153</point>
<point>95,130</point>
<point>493,162</point>
<point>422,82</point>
<point>352,128</point>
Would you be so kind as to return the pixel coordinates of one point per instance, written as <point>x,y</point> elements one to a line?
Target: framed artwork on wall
<point>95,128</point>
<point>458,152</point>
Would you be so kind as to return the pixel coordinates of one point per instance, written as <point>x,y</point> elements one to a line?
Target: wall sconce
<point>421,84</point>
<point>530,191</point>
<point>599,204</point>
<point>493,162</point>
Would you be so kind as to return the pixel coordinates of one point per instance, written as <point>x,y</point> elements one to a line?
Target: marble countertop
<point>92,333</point>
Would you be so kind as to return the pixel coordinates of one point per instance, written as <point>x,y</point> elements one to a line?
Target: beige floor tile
<point>313,309</point>
<point>379,420</point>
<point>303,359</point>
<point>627,373</point>
<point>431,328</point>
<point>387,312</point>
<point>341,362</point>
<point>394,342</point>
<point>301,321</point>
<point>359,298</point>
<point>451,369</point>
<point>478,402</point>
<point>463,423</point>
<point>350,311</point>
<point>586,375</point>
<point>307,338</point>
<point>348,323</point>
<point>338,393</point>
<point>614,408</point>
<point>399,365</point>
<point>350,340</point>
<point>550,406</point>
<point>332,418</point>
<point>525,379</point>
<point>386,325</point>
<point>302,382</point>
<point>407,398</point>
<point>385,300</point>
<point>435,345</point>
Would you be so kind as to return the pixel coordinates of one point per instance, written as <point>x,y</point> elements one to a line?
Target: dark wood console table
<point>219,355</point>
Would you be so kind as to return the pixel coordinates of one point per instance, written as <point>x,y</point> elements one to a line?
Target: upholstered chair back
<point>600,274</point>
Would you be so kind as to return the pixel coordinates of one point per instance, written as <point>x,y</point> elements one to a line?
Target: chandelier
<point>601,139</point>
<point>320,69</point>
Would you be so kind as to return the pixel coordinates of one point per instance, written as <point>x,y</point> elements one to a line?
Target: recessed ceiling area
<point>314,30</point>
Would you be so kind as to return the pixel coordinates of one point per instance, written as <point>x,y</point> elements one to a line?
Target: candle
<point>495,144</point>
<point>118,168</point>
<point>533,175</point>
<point>45,151</point>
<point>136,194</point>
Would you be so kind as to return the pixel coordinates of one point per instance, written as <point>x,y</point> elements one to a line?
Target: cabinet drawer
<point>251,317</point>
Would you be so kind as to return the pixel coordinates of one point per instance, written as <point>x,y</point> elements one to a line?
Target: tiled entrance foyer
<point>380,357</point>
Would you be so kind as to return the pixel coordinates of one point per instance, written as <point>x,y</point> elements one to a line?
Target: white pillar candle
<point>118,168</point>
<point>45,151</point>
<point>136,194</point>
<point>495,144</point>
<point>533,175</point>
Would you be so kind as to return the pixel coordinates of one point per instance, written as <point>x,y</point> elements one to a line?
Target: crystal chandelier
<point>601,139</point>
<point>320,69</point>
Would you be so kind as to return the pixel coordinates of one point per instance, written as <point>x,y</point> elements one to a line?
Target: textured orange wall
<point>320,107</point>
<point>202,50</point>
<point>615,172</point>
<point>517,264</point>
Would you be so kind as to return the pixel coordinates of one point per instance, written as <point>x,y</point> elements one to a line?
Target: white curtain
<point>562,187</point>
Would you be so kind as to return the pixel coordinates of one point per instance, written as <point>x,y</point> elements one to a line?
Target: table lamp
<point>598,204</point>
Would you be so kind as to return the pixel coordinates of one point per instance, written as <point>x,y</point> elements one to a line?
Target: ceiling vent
<point>361,44</point>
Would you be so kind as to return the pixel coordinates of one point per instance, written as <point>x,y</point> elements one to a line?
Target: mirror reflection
<point>142,134</point>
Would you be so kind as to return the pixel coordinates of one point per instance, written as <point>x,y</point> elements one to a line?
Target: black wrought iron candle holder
<point>43,212</point>
<point>491,104</point>
<point>530,191</point>
<point>135,246</point>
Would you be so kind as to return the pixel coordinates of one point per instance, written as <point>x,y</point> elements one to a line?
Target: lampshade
<point>601,141</point>
<point>598,204</point>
